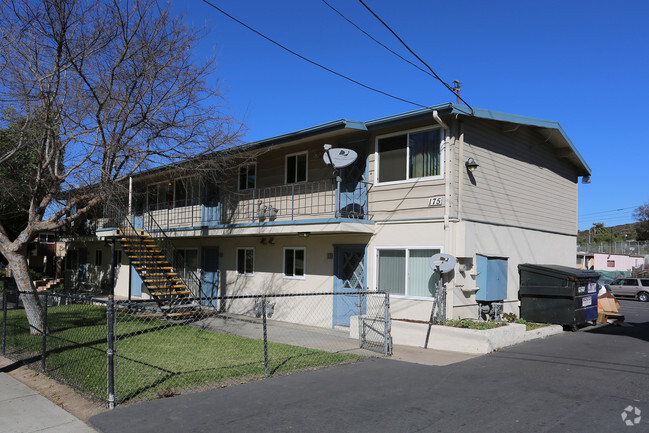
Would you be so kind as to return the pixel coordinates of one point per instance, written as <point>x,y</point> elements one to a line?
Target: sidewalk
<point>23,410</point>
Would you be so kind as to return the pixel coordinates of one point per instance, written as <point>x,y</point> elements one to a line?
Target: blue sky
<point>583,64</point>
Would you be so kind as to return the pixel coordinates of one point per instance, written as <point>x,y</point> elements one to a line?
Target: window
<point>247,176</point>
<point>644,283</point>
<point>177,193</point>
<point>98,257</point>
<point>186,264</point>
<point>160,195</point>
<point>296,167</point>
<point>610,263</point>
<point>406,271</point>
<point>294,260</point>
<point>46,238</point>
<point>186,192</point>
<point>413,155</point>
<point>245,261</point>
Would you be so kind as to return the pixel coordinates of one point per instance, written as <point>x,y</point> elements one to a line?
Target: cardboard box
<point>607,309</point>
<point>607,302</point>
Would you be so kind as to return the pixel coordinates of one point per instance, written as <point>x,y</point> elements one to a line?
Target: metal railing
<point>294,201</point>
<point>318,199</point>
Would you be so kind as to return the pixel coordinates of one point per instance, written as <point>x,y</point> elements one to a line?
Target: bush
<point>473,324</point>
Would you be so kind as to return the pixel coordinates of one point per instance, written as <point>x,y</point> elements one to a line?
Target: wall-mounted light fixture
<point>304,234</point>
<point>471,165</point>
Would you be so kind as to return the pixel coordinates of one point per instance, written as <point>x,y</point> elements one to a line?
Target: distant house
<point>492,189</point>
<point>611,263</point>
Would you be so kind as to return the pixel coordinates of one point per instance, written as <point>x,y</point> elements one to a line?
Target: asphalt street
<point>594,380</point>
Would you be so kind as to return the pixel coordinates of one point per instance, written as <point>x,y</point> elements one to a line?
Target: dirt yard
<point>62,395</point>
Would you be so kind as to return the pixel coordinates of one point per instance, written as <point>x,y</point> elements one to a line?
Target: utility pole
<point>456,90</point>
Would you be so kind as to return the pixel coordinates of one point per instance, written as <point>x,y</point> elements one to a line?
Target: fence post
<point>43,332</point>
<point>360,320</point>
<point>387,326</point>
<point>263,309</point>
<point>110,320</point>
<point>4,319</point>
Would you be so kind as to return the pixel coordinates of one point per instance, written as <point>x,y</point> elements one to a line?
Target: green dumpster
<point>557,294</point>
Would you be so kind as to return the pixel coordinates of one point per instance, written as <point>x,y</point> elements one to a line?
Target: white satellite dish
<point>339,157</point>
<point>445,262</point>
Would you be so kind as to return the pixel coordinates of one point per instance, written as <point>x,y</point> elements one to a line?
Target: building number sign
<point>436,201</point>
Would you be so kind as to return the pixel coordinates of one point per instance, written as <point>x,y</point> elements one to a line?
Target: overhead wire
<point>610,210</point>
<point>375,40</point>
<point>418,58</point>
<point>312,61</point>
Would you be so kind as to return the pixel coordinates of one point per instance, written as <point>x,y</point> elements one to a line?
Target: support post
<point>263,309</point>
<point>292,201</point>
<point>431,320</point>
<point>110,321</point>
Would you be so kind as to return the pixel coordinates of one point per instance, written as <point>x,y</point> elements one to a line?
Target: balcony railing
<point>296,201</point>
<point>310,200</point>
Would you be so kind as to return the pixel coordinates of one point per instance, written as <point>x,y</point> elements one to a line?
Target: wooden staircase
<point>166,287</point>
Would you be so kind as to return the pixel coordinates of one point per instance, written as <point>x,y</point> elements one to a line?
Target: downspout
<point>460,167</point>
<point>447,185</point>
<point>447,191</point>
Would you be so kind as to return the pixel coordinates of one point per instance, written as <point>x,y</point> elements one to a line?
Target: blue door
<point>138,221</point>
<point>135,282</point>
<point>211,205</point>
<point>353,189</point>
<point>210,276</point>
<point>349,276</point>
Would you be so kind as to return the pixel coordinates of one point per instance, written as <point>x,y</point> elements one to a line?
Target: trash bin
<point>557,294</point>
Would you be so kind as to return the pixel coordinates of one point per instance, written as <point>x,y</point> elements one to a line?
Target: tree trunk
<point>30,298</point>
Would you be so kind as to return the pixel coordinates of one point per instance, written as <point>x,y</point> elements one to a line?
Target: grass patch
<point>531,325</point>
<point>512,318</point>
<point>153,357</point>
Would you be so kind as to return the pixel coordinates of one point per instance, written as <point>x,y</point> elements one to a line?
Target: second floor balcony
<point>322,201</point>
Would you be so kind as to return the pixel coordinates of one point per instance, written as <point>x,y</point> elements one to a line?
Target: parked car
<point>633,287</point>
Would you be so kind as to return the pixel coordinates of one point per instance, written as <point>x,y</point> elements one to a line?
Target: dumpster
<point>557,294</point>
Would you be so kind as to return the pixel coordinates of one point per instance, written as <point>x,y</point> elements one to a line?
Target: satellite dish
<point>445,262</point>
<point>339,157</point>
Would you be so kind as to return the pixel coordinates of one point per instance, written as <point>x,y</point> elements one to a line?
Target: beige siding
<point>407,199</point>
<point>520,180</point>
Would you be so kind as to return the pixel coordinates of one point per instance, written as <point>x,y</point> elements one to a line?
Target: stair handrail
<point>171,253</point>
<point>167,247</point>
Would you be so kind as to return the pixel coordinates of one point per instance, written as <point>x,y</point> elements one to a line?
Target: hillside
<point>617,232</point>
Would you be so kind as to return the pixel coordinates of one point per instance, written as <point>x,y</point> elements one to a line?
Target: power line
<point>377,41</point>
<point>311,61</point>
<point>611,210</point>
<point>418,58</point>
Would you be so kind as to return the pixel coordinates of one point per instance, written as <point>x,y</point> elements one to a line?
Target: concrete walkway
<point>23,410</point>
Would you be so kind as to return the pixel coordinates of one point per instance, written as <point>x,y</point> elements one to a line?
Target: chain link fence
<point>125,351</point>
<point>634,248</point>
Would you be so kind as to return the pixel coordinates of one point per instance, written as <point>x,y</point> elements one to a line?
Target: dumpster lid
<point>559,269</point>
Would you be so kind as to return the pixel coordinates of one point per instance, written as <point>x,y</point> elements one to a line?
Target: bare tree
<point>98,90</point>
